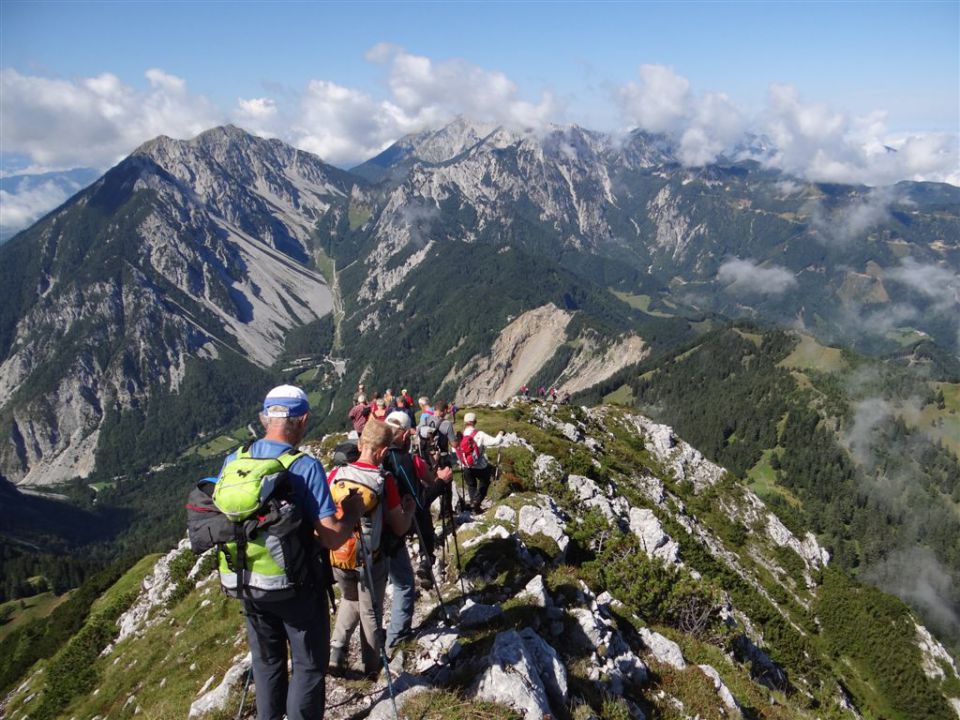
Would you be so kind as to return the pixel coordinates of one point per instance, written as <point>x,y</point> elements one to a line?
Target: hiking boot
<point>425,568</point>
<point>338,662</point>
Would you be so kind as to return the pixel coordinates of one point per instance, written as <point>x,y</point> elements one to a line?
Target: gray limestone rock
<point>663,649</point>
<point>515,677</point>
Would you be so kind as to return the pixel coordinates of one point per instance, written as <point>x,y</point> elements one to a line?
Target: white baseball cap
<point>470,417</point>
<point>398,420</point>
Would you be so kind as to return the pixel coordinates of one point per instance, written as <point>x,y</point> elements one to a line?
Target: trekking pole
<point>378,619</point>
<point>496,475</point>
<point>456,549</point>
<point>443,532</point>
<point>243,697</point>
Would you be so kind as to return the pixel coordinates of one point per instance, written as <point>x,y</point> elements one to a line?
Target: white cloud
<point>818,143</point>
<point>844,224</point>
<point>95,121</point>
<point>345,125</point>
<point>746,276</point>
<point>662,102</point>
<point>259,116</point>
<point>938,283</point>
<point>811,140</point>
<point>659,102</point>
<point>20,209</point>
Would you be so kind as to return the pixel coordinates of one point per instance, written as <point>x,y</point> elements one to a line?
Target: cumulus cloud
<point>662,102</point>
<point>97,120</point>
<point>807,139</point>
<point>345,125</point>
<point>747,277</point>
<point>822,144</point>
<point>260,116</point>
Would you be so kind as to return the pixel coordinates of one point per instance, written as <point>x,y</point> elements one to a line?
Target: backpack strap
<point>289,458</point>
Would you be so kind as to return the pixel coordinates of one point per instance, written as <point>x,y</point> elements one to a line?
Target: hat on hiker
<point>399,420</point>
<point>470,417</point>
<point>286,401</point>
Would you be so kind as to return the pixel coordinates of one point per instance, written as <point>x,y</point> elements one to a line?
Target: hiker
<point>553,393</point>
<point>541,393</point>
<point>446,433</point>
<point>359,413</point>
<point>435,479</point>
<point>301,618</point>
<point>379,410</point>
<point>426,412</point>
<point>399,568</point>
<point>384,508</point>
<point>473,460</point>
<point>400,404</point>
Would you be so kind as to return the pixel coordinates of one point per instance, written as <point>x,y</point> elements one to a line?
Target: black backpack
<point>345,453</point>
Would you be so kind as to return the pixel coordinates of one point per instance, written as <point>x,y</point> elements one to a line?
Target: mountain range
<point>224,244</point>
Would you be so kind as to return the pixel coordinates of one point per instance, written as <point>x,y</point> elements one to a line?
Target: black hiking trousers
<point>303,623</point>
<point>430,492</point>
<point>477,481</point>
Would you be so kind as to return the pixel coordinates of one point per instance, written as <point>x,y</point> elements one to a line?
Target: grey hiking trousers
<point>303,623</point>
<point>357,607</point>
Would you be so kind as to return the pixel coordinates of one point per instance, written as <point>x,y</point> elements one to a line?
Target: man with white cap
<point>473,460</point>
<point>301,622</point>
<point>416,478</point>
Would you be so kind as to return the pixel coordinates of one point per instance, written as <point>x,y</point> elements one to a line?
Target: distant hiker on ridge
<point>426,412</point>
<point>359,413</point>
<point>470,452</point>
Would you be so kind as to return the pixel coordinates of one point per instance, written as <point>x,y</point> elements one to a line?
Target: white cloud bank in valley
<point>747,277</point>
<point>96,121</point>
<point>20,208</point>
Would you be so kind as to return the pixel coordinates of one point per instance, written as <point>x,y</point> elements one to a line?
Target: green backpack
<point>265,550</point>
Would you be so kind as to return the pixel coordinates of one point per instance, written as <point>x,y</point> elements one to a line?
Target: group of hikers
<point>284,526</point>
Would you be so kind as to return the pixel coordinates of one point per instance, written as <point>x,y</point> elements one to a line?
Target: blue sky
<point>856,56</point>
<point>832,84</point>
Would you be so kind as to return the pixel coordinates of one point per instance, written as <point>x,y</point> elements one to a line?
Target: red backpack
<point>468,452</point>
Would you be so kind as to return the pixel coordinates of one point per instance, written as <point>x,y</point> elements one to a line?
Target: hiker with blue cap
<point>299,618</point>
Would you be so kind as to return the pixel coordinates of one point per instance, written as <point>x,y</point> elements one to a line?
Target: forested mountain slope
<point>862,452</point>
